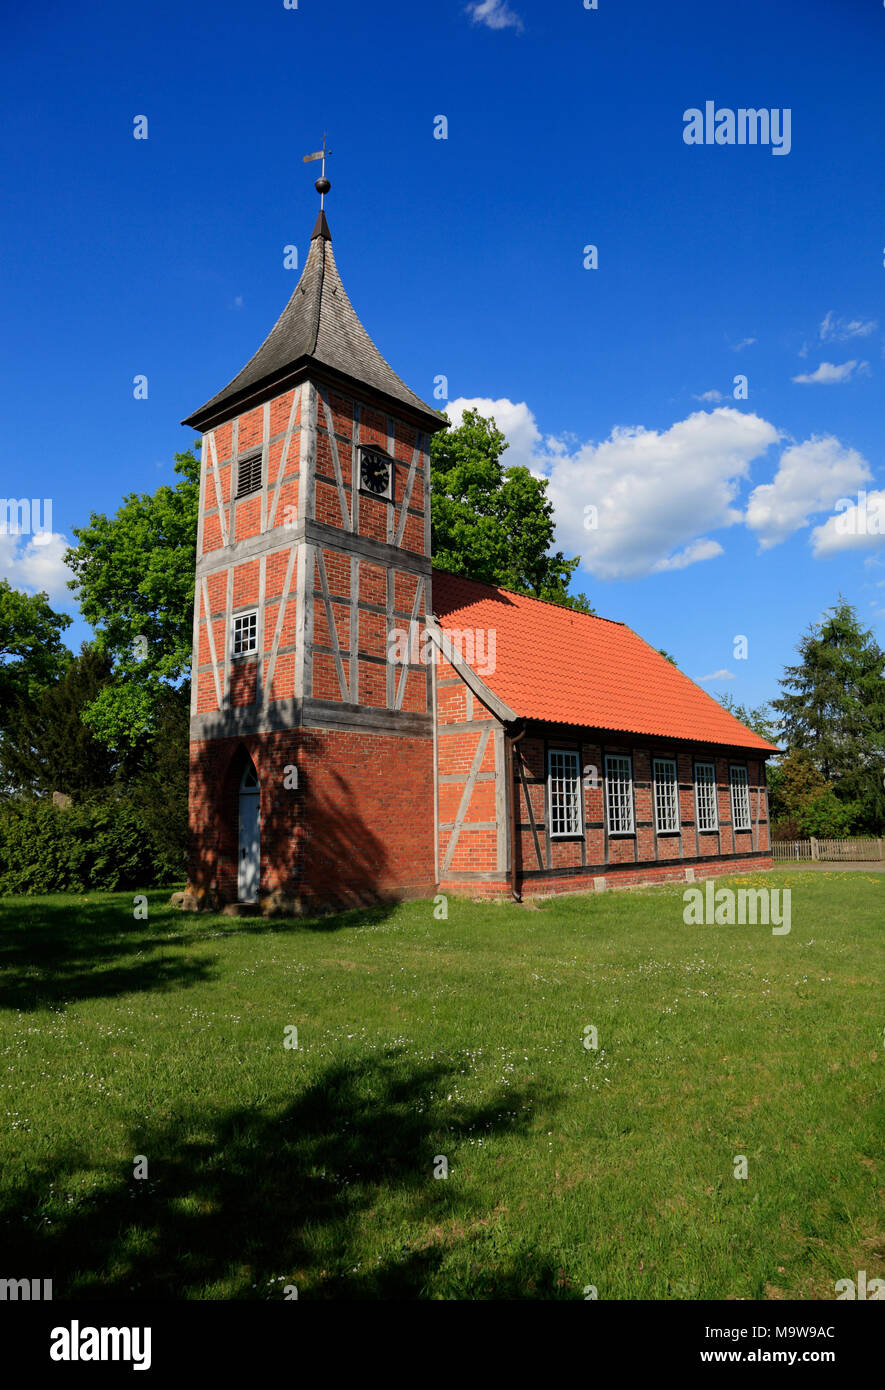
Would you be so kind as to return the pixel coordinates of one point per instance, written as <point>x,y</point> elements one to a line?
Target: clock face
<point>375,473</point>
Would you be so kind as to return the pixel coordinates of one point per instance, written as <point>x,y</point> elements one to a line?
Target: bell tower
<point>313,559</point>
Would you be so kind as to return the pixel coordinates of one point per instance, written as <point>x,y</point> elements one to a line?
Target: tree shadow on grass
<point>55,951</point>
<point>243,1203</point>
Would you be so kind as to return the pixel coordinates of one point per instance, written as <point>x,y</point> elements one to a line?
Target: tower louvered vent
<point>249,476</point>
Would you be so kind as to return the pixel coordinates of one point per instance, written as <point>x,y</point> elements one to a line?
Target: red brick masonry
<point>357,829</point>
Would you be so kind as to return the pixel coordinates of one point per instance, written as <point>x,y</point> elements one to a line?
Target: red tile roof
<point>562,667</point>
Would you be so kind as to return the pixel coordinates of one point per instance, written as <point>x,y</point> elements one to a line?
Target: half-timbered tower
<point>312,777</point>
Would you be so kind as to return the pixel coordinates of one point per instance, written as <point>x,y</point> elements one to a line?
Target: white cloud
<point>829,374</point>
<point>809,479</point>
<point>744,343</point>
<point>710,396</point>
<point>644,501</point>
<point>515,420</point>
<point>655,493</point>
<point>495,14</point>
<point>723,675</point>
<point>697,550</point>
<point>840,330</point>
<point>37,562</point>
<point>858,524</point>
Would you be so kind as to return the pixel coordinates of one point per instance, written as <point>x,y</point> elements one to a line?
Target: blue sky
<point>715,517</point>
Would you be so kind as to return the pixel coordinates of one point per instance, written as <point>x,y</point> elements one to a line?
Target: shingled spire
<point>318,326</point>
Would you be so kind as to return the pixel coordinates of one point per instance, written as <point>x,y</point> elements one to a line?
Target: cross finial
<point>322,184</point>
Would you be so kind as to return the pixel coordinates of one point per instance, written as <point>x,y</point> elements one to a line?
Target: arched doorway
<point>249,841</point>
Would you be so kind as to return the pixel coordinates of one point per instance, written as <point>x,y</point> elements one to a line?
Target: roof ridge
<point>315,336</point>
<point>532,598</point>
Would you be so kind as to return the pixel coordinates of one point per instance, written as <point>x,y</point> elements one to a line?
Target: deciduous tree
<point>134,579</point>
<point>493,523</point>
<point>32,653</point>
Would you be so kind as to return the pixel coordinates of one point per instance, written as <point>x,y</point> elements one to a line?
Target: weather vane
<point>322,184</point>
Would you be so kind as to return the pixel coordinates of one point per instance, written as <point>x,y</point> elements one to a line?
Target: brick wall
<point>624,876</point>
<point>357,828</point>
<point>646,853</point>
<point>358,609</point>
<point>546,863</point>
<point>472,819</point>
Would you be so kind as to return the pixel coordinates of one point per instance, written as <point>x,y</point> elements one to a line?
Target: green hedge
<point>97,844</point>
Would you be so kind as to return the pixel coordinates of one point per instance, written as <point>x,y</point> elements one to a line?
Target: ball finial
<point>322,184</point>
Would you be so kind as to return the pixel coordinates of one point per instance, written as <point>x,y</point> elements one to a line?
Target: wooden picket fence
<point>790,849</point>
<point>851,848</point>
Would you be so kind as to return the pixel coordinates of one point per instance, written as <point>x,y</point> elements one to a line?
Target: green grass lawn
<point>270,1166</point>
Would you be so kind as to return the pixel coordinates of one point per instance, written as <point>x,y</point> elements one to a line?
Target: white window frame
<point>739,783</point>
<point>572,825</point>
<point>241,618</point>
<point>709,784</point>
<point>626,803</point>
<point>670,787</point>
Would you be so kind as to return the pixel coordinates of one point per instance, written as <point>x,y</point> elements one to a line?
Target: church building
<point>367,728</point>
